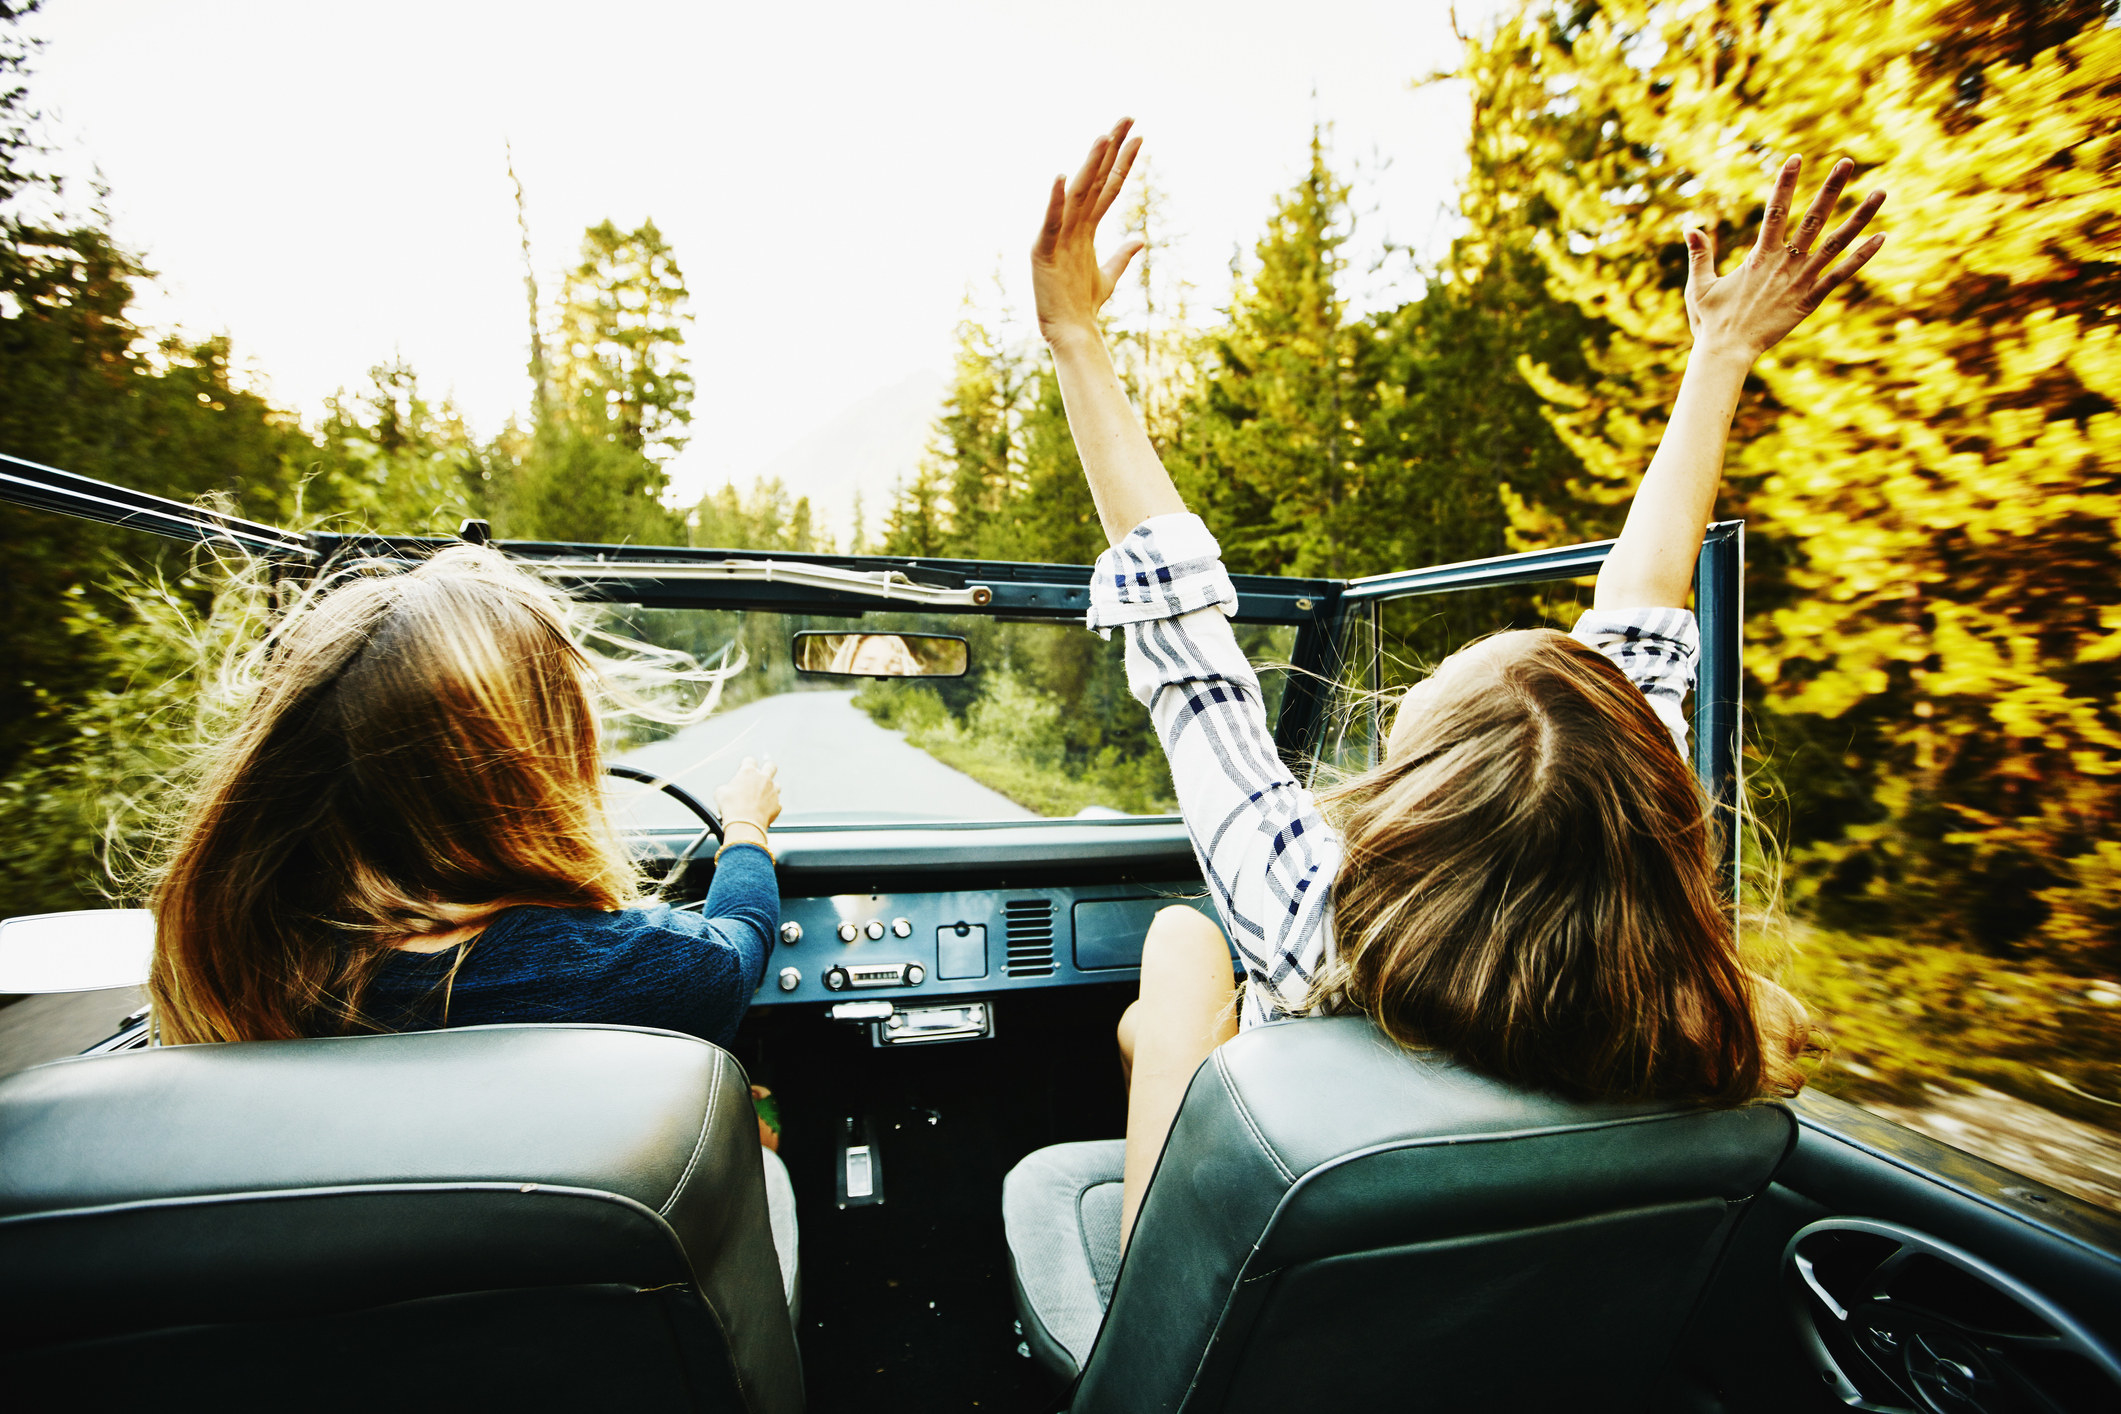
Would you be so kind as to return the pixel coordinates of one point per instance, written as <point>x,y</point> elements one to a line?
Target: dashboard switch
<point>915,974</point>
<point>875,929</point>
<point>791,932</point>
<point>849,932</point>
<point>791,978</point>
<point>901,927</point>
<point>835,979</point>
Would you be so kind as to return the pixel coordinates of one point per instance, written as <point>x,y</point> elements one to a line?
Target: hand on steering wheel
<point>751,801</point>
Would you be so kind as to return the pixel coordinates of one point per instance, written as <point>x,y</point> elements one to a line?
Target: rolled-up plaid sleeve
<point>1658,649</point>
<point>1267,854</point>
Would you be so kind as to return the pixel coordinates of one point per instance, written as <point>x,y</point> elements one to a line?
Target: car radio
<point>875,974</point>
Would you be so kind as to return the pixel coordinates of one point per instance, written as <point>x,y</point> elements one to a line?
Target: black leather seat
<point>530,1216</point>
<point>1337,1224</point>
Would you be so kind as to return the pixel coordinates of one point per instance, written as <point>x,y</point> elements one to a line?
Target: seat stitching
<point>714,1098</point>
<point>1222,1073</point>
<point>1082,1234</point>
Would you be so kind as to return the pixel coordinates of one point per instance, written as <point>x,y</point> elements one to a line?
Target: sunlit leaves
<point>1932,465</point>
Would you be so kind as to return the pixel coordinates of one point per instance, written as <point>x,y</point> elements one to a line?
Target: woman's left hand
<point>1746,312</point>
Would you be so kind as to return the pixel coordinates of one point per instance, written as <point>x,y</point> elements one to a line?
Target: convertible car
<point>574,1216</point>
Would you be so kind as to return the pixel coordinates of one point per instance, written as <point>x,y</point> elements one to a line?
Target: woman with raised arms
<point>1525,881</point>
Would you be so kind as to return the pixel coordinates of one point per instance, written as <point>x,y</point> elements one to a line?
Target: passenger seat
<point>1338,1224</point>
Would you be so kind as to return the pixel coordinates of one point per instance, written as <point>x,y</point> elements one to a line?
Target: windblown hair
<point>419,748</point>
<point>1529,886</point>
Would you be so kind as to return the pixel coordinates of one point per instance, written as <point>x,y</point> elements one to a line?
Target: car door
<point>1882,1269</point>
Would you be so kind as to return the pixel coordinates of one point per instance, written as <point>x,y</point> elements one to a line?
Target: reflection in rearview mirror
<point>880,655</point>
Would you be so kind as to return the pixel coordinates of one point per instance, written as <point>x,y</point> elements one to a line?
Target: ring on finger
<point>1790,248</point>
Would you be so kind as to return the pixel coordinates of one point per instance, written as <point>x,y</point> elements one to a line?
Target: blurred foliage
<point>1930,469</point>
<point>1904,1015</point>
<point>83,806</point>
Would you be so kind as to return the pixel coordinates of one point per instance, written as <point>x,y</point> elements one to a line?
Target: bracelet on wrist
<point>762,841</point>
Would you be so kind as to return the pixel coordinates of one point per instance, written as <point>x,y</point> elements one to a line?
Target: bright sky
<point>326,183</point>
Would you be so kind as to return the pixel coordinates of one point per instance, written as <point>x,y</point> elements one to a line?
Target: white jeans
<point>780,1213</point>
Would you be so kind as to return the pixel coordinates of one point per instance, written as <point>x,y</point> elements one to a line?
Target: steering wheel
<point>711,822</point>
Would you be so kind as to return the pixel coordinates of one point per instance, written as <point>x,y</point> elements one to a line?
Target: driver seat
<point>1337,1223</point>
<point>544,1216</point>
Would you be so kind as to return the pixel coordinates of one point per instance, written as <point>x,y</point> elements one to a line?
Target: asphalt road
<point>835,765</point>
<point>37,1029</point>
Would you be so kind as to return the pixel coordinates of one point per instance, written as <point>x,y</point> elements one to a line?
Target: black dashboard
<point>914,914</point>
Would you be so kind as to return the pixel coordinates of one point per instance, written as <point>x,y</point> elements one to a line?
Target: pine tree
<point>1266,449</point>
<point>1053,517</point>
<point>621,371</point>
<point>973,448</point>
<point>393,462</point>
<point>766,519</point>
<point>563,483</point>
<point>592,469</point>
<point>917,523</point>
<point>858,535</point>
<point>84,387</point>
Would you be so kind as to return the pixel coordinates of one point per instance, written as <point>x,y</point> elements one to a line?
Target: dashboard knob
<point>901,927</point>
<point>791,933</point>
<point>849,932</point>
<point>915,974</point>
<point>791,978</point>
<point>875,929</point>
<point>836,979</point>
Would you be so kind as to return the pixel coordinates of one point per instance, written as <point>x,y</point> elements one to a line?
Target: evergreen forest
<point>1930,477</point>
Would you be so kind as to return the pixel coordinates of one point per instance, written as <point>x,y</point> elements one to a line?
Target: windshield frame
<point>660,577</point>
<point>1322,610</point>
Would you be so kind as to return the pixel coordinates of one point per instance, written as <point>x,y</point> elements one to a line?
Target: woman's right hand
<point>1780,282</point>
<point>752,797</point>
<point>1067,283</point>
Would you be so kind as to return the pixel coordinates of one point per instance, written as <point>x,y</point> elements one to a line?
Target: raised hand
<point>1735,318</point>
<point>1069,284</point>
<point>1747,312</point>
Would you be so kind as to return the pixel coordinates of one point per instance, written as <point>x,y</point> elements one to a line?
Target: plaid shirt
<point>1267,853</point>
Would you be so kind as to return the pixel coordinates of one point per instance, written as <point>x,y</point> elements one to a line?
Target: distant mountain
<point>867,447</point>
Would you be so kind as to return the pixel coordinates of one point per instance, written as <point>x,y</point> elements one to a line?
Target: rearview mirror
<point>880,655</point>
<point>83,951</point>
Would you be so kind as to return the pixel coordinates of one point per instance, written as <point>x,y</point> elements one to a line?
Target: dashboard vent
<point>1028,925</point>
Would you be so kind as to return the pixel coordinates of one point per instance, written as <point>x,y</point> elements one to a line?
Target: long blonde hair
<point>1529,886</point>
<point>421,748</point>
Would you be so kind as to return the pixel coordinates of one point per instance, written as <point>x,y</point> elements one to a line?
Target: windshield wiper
<point>893,585</point>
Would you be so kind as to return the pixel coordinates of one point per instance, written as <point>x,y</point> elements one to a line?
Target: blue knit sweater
<point>653,966</point>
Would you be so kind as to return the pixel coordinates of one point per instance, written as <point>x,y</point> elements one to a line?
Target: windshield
<point>1039,726</point>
